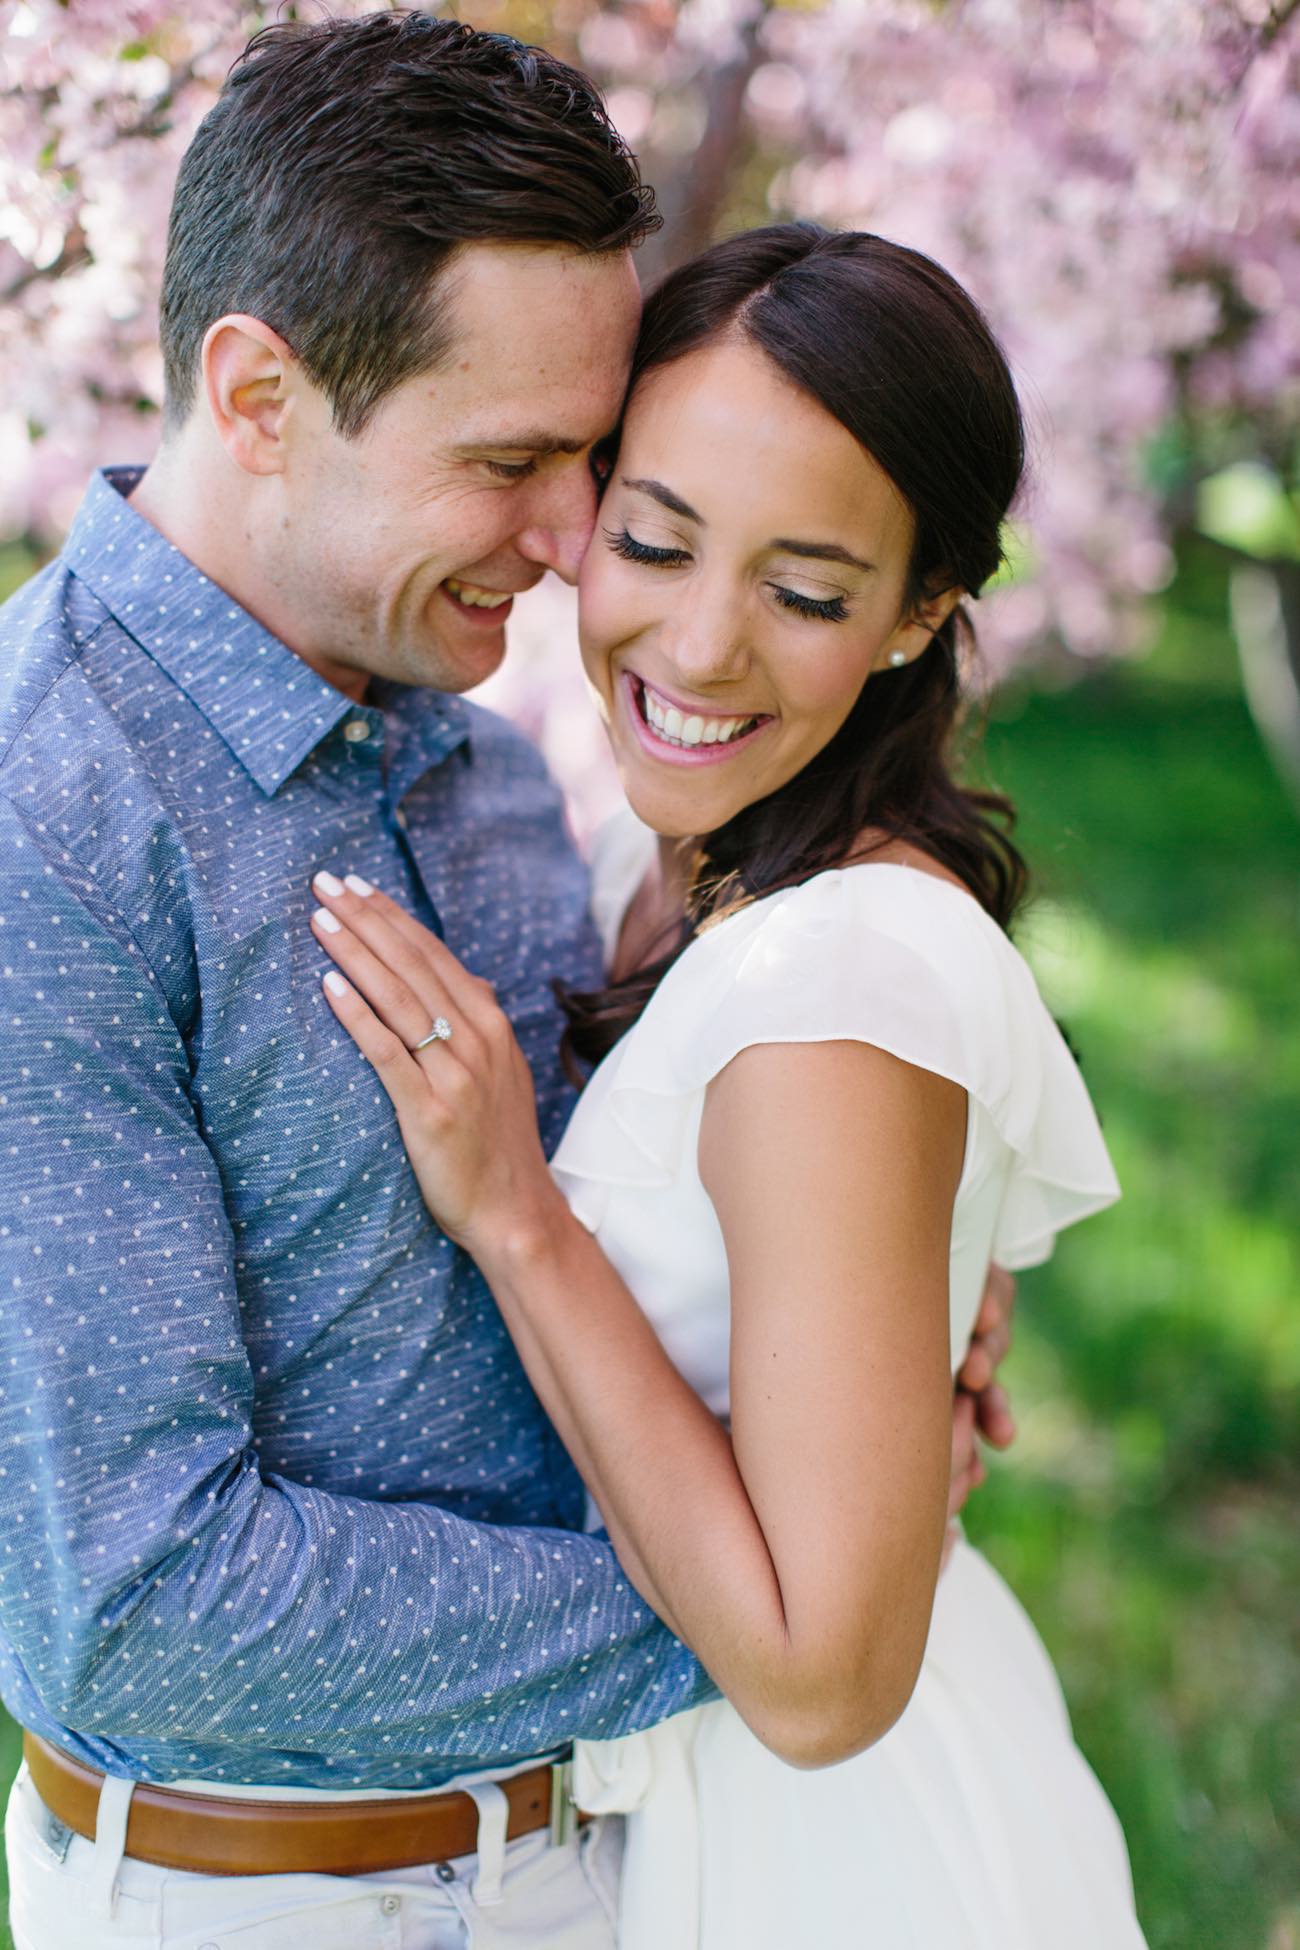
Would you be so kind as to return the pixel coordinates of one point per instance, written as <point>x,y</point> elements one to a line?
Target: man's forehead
<point>543,309</point>
<point>540,345</point>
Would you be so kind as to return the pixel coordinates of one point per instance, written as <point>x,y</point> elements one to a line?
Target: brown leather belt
<point>213,1836</point>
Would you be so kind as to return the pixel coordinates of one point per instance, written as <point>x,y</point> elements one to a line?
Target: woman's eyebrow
<point>818,551</point>
<point>666,499</point>
<point>825,552</point>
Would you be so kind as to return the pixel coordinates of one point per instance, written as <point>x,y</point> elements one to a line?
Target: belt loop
<point>564,1809</point>
<point>111,1817</point>
<point>493,1814</point>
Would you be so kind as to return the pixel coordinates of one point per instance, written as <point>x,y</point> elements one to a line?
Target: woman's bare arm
<point>799,1558</point>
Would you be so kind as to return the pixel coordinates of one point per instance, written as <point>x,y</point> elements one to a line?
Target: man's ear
<point>247,378</point>
<point>911,634</point>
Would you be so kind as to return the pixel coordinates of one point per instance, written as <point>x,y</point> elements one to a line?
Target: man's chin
<point>444,660</point>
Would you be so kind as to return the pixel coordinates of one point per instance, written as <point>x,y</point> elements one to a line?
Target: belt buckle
<point>564,1812</point>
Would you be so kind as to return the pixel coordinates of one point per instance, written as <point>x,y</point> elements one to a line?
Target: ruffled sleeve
<point>879,954</point>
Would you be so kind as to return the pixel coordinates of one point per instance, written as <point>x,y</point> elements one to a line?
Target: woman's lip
<point>694,710</point>
<point>680,754</point>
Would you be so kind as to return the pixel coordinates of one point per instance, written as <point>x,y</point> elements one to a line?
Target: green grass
<point>1148,1512</point>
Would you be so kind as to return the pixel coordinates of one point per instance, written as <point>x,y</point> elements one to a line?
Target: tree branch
<point>74,253</point>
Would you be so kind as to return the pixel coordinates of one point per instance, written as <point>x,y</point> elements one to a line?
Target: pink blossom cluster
<point>98,99</point>
<point>1115,180</point>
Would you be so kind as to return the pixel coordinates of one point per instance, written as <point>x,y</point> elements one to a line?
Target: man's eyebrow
<point>525,440</point>
<point>825,552</point>
<point>666,499</point>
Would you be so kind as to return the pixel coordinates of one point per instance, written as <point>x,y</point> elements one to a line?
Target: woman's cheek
<point>612,610</point>
<point>828,686</point>
<point>594,639</point>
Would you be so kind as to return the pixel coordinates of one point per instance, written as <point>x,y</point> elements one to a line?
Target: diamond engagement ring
<point>440,1033</point>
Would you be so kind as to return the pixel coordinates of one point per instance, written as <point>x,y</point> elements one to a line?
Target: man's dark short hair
<point>343,165</point>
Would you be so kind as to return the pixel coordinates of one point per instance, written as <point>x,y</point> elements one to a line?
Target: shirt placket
<point>363,735</point>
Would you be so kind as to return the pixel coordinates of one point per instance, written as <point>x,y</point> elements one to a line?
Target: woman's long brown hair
<point>899,354</point>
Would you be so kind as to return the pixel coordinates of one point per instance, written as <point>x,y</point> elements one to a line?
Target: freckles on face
<point>746,577</point>
<point>469,481</point>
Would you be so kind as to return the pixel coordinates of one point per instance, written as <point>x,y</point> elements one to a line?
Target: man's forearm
<point>332,1625</point>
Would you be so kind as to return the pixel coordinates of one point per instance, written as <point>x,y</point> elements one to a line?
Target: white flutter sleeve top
<point>881,954</point>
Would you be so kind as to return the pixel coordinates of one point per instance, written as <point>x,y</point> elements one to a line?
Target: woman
<point>830,1093</point>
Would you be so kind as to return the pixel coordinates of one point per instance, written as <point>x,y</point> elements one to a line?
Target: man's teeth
<point>675,729</point>
<point>465,592</point>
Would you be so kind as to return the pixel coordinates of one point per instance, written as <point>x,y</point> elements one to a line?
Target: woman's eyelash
<point>511,470</point>
<point>833,610</point>
<point>633,551</point>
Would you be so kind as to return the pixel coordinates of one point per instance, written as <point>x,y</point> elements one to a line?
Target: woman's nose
<point>707,639</point>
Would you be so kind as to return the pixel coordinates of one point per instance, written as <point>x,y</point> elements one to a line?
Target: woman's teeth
<point>675,729</point>
<point>465,592</point>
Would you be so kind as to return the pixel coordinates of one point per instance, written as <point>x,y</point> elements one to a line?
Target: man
<point>282,1513</point>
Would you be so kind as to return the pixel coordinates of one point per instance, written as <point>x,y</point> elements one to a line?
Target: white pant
<point>67,1893</point>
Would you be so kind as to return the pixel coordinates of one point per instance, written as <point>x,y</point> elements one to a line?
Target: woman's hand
<point>465,1102</point>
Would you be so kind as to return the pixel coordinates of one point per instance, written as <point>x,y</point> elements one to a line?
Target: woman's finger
<point>408,1013</point>
<point>399,937</point>
<point>369,920</point>
<point>400,1073</point>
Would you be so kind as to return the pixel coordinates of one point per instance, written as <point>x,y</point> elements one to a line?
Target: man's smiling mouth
<point>470,596</point>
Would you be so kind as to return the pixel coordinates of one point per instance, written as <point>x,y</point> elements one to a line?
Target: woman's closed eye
<point>632,550</point>
<point>827,609</point>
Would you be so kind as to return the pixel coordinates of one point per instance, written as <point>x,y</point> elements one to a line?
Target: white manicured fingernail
<point>336,984</point>
<point>328,884</point>
<point>358,885</point>
<point>324,919</point>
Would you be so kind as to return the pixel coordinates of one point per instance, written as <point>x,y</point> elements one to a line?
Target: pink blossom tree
<point>1116,181</point>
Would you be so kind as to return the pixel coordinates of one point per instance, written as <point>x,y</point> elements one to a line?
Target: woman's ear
<point>247,378</point>
<point>912,634</point>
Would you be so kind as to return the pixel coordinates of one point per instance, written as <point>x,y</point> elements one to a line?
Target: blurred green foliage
<point>1147,1514</point>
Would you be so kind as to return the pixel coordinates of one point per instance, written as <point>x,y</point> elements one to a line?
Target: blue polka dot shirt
<point>277,1503</point>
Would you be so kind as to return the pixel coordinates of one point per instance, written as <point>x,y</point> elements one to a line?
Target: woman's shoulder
<point>888,951</point>
<point>878,950</point>
<point>841,918</point>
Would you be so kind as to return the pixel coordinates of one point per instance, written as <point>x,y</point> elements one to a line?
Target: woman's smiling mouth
<point>680,736</point>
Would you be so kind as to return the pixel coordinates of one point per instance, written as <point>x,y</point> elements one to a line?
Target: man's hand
<point>981,1406</point>
<point>990,1344</point>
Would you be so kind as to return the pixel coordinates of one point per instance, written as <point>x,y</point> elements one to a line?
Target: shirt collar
<point>270,707</point>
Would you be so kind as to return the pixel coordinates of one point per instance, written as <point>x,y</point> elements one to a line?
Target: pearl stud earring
<point>897,659</point>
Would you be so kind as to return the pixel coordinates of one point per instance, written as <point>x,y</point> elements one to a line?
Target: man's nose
<point>560,520</point>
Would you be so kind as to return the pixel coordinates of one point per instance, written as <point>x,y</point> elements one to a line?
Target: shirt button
<point>356,730</point>
<point>389,1905</point>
